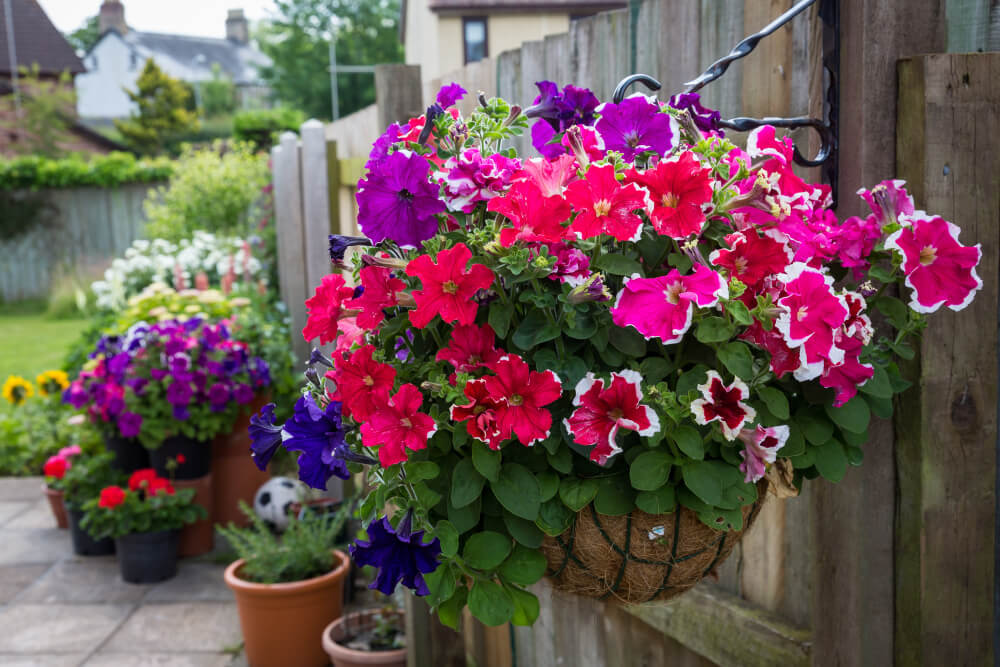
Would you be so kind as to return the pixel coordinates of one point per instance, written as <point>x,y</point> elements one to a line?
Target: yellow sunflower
<point>52,382</point>
<point>16,389</point>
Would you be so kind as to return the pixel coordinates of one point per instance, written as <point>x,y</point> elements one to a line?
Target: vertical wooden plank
<point>333,185</point>
<point>430,643</point>
<point>288,221</point>
<point>721,28</point>
<point>968,25</point>
<point>677,53</point>
<point>315,203</point>
<point>398,93</point>
<point>949,142</point>
<point>766,71</point>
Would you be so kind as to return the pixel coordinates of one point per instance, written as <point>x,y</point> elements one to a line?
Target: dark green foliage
<point>261,127</point>
<point>34,172</point>
<point>163,112</point>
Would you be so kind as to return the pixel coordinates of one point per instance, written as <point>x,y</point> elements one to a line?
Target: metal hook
<point>629,81</point>
<point>827,141</point>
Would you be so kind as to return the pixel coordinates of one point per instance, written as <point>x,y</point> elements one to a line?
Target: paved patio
<point>61,610</point>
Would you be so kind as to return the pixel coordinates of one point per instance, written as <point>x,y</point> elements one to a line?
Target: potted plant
<point>82,482</point>
<point>55,470</point>
<point>287,588</point>
<point>368,637</point>
<point>145,520</point>
<point>593,365</point>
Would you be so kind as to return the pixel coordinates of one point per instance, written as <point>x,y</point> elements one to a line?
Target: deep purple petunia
<point>243,393</point>
<point>260,372</point>
<point>577,106</point>
<point>265,436</point>
<point>339,245</point>
<point>398,202</point>
<point>450,94</point>
<point>547,104</point>
<point>706,119</point>
<point>399,555</point>
<point>319,435</point>
<point>634,126</point>
<point>129,423</point>
<point>179,393</point>
<point>218,397</point>
<point>380,148</point>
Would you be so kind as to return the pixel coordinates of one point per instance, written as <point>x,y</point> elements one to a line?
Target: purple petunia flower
<point>260,372</point>
<point>218,397</point>
<point>557,112</point>
<point>399,555</point>
<point>380,149</point>
<point>179,393</point>
<point>706,119</point>
<point>634,126</point>
<point>402,349</point>
<point>181,413</point>
<point>243,393</point>
<point>547,105</point>
<point>398,202</point>
<point>450,94</point>
<point>577,106</point>
<point>339,245</point>
<point>265,436</point>
<point>129,423</point>
<point>317,357</point>
<point>318,434</point>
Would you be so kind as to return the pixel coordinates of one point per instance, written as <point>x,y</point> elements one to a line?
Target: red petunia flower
<point>783,358</point>
<point>160,484</point>
<point>398,425</point>
<point>111,497</point>
<point>141,478</point>
<point>751,258</point>
<point>363,384</point>
<point>601,411</point>
<point>522,394</point>
<point>551,176</point>
<point>380,290</point>
<point>56,467</point>
<point>605,206</point>
<point>480,414</point>
<point>471,346</point>
<point>723,404</point>
<point>680,189</point>
<point>535,216</point>
<point>325,307</point>
<point>448,286</point>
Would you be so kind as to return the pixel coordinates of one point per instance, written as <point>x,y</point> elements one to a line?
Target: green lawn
<point>30,343</point>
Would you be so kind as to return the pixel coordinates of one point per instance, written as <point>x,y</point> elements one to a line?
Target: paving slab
<point>195,582</point>
<point>16,578</point>
<point>35,516</point>
<point>106,659</point>
<point>178,627</point>
<point>84,579</point>
<point>11,508</point>
<point>42,660</point>
<point>34,546</point>
<point>58,628</point>
<point>21,488</point>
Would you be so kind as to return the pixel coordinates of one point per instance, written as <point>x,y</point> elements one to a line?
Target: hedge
<point>114,169</point>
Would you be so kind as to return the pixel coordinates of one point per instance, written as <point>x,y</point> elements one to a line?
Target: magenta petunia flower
<point>325,308</point>
<point>448,286</point>
<point>724,404</point>
<point>450,94</point>
<point>469,178</point>
<point>663,307</point>
<point>397,201</point>
<point>938,269</point>
<point>760,447</point>
<point>889,201</point>
<point>680,190</point>
<point>603,409</point>
<point>606,206</point>
<point>811,313</point>
<point>845,377</point>
<point>398,425</point>
<point>522,395</point>
<point>551,176</point>
<point>636,125</point>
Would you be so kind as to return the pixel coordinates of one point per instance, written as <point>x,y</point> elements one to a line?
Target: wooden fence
<point>895,564</point>
<point>80,230</point>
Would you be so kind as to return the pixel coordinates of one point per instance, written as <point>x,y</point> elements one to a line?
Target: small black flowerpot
<point>83,543</point>
<point>146,558</point>
<point>196,454</point>
<point>129,454</point>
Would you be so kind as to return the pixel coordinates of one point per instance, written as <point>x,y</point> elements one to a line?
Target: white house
<point>114,63</point>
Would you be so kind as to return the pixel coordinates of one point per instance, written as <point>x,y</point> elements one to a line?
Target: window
<point>133,60</point>
<point>474,38</point>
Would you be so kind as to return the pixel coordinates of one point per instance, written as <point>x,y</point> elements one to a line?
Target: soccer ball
<point>274,499</point>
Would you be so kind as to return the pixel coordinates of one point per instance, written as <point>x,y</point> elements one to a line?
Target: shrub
<point>261,127</point>
<point>162,111</point>
<point>34,172</point>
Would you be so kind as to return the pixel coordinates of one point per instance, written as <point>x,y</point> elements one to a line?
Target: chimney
<point>237,28</point>
<point>112,16</point>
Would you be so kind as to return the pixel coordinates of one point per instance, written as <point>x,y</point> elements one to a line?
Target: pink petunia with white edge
<point>602,409</point>
<point>723,403</point>
<point>811,314</point>
<point>663,307</point>
<point>889,202</point>
<point>939,270</point>
<point>847,376</point>
<point>760,447</point>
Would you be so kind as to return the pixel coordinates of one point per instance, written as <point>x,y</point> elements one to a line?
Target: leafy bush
<point>34,172</point>
<point>162,114</point>
<point>261,127</point>
<point>302,552</point>
<point>212,190</point>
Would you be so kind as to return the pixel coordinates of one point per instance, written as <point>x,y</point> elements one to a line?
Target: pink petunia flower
<point>663,307</point>
<point>380,292</point>
<point>535,216</point>
<point>480,414</point>
<point>522,395</point>
<point>350,334</point>
<point>889,201</point>
<point>845,377</point>
<point>938,269</point>
<point>471,347</point>
<point>572,264</point>
<point>325,307</point>
<point>811,313</point>
<point>760,447</point>
<point>469,178</point>
<point>448,286</point>
<point>398,425</point>
<point>602,410</point>
<point>855,240</point>
<point>551,176</point>
<point>723,404</point>
<point>680,189</point>
<point>606,206</point>
<point>363,384</point>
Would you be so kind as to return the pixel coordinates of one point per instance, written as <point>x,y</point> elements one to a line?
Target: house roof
<point>526,5</point>
<point>198,54</point>
<point>36,41</point>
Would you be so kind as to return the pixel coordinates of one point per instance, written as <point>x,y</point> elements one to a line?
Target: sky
<point>206,18</point>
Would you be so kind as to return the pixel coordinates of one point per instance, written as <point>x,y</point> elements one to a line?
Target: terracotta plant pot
<point>197,538</point>
<point>282,623</point>
<point>343,628</point>
<point>58,506</point>
<point>197,457</point>
<point>235,477</point>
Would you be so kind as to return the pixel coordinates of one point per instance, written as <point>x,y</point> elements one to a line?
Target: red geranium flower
<point>521,395</point>
<point>448,286</point>
<point>605,206</point>
<point>56,466</point>
<point>326,307</point>
<point>679,188</point>
<point>380,290</point>
<point>141,478</point>
<point>158,484</point>
<point>398,425</point>
<point>602,411</point>
<point>363,384</point>
<point>181,459</point>
<point>480,415</point>
<point>471,347</point>
<point>535,216</point>
<point>111,497</point>
<point>723,404</point>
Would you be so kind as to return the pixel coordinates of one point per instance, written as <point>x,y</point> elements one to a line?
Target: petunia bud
<point>384,262</point>
<point>686,121</point>
<point>430,386</point>
<point>574,136</point>
<point>515,111</point>
<point>317,357</point>
<point>592,289</point>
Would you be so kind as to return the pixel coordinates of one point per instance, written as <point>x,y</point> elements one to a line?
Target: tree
<point>48,108</point>
<point>163,114</point>
<point>218,94</point>
<point>86,36</point>
<point>298,40</point>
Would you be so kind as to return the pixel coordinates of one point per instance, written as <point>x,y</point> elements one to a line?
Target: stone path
<point>61,610</point>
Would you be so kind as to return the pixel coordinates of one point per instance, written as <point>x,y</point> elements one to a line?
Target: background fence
<point>80,229</point>
<point>895,564</point>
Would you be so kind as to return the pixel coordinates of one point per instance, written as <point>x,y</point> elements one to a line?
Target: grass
<point>30,343</point>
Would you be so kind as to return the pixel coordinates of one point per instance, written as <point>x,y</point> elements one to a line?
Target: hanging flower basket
<point>594,365</point>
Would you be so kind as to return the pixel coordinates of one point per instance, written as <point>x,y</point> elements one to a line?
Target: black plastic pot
<point>129,454</point>
<point>146,558</point>
<point>197,457</point>
<point>83,543</point>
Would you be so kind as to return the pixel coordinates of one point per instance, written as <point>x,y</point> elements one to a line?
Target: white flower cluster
<point>147,262</point>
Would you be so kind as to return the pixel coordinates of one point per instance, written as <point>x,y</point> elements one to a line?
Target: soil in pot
<point>196,454</point>
<point>282,624</point>
<point>146,558</point>
<point>199,537</point>
<point>83,543</point>
<point>129,454</point>
<point>348,641</point>
<point>57,505</point>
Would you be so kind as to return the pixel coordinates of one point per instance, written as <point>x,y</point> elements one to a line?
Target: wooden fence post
<point>398,93</point>
<point>288,221</point>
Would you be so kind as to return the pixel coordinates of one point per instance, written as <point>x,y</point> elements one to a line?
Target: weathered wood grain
<point>290,237</point>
